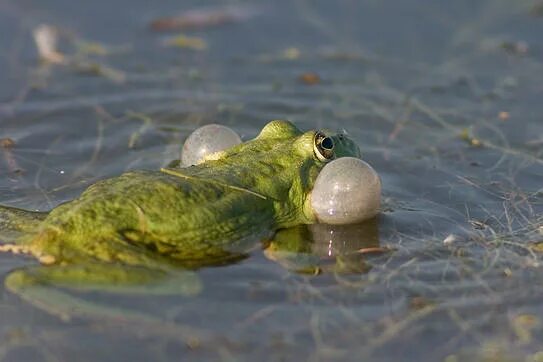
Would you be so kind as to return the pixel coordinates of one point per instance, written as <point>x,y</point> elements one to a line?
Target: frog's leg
<point>14,219</point>
<point>51,287</point>
<point>14,223</point>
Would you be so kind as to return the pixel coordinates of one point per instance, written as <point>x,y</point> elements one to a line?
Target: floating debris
<point>467,136</point>
<point>203,18</point>
<point>537,247</point>
<point>478,225</point>
<point>450,239</point>
<point>310,78</point>
<point>418,303</point>
<point>7,144</point>
<point>523,326</point>
<point>147,124</point>
<point>93,68</point>
<point>503,115</point>
<point>91,48</point>
<point>292,53</point>
<point>515,48</point>
<point>375,250</point>
<point>183,41</point>
<point>46,39</point>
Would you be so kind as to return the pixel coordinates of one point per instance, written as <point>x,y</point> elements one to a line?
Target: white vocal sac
<point>347,190</point>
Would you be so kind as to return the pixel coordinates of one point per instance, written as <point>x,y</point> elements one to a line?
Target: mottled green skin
<point>184,218</point>
<point>187,217</point>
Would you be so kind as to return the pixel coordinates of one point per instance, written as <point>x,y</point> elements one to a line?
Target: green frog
<point>145,230</point>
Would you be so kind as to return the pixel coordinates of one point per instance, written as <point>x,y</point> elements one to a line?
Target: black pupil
<point>327,143</point>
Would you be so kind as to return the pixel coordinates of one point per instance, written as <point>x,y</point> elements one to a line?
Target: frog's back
<point>160,212</point>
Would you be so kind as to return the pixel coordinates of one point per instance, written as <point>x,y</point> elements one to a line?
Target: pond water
<point>443,97</point>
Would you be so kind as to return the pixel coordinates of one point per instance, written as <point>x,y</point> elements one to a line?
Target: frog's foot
<point>24,249</point>
<point>15,249</point>
<point>60,289</point>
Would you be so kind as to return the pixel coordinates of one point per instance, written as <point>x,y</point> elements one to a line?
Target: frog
<point>146,230</point>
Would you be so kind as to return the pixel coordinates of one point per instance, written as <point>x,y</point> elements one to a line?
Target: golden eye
<point>323,147</point>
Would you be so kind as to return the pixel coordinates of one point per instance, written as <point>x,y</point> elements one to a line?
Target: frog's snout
<point>345,146</point>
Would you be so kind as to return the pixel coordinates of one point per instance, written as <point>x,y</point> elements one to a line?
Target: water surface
<point>444,99</point>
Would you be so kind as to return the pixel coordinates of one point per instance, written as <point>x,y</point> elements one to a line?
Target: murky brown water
<point>444,99</point>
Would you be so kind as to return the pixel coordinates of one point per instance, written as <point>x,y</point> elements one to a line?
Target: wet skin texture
<point>138,227</point>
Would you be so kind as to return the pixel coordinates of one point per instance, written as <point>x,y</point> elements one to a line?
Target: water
<point>405,79</point>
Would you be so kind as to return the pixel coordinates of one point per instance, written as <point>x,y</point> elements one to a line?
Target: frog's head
<point>282,163</point>
<point>317,146</point>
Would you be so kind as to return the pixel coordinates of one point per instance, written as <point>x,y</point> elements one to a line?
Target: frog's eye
<point>323,147</point>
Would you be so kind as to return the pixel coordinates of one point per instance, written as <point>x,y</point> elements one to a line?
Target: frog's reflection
<point>325,248</point>
<point>304,249</point>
